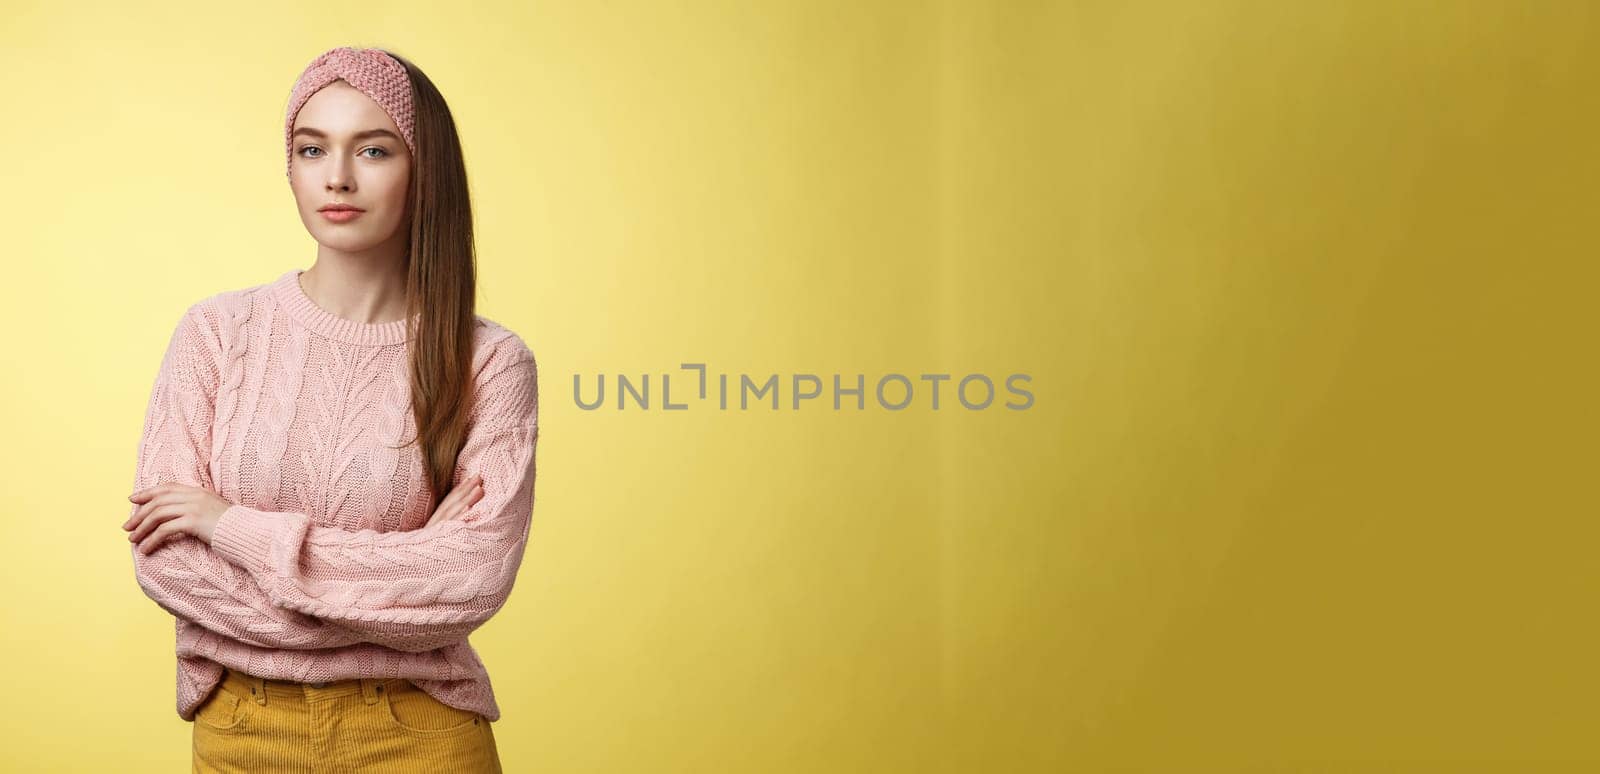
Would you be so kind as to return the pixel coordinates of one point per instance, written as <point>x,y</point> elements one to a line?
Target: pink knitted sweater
<point>322,569</point>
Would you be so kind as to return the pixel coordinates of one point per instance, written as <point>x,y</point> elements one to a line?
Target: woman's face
<point>346,150</point>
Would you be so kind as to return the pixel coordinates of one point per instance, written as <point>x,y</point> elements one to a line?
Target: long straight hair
<point>441,283</point>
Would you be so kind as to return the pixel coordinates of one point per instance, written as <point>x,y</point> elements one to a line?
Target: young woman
<point>335,479</point>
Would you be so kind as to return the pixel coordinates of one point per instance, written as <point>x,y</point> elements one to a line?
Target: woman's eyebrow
<point>306,130</point>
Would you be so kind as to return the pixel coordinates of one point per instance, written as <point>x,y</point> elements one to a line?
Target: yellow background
<point>1305,290</point>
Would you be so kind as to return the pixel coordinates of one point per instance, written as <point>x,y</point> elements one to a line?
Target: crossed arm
<point>276,579</point>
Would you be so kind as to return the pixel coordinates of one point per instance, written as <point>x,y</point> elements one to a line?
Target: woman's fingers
<point>151,500</point>
<point>146,492</point>
<point>458,506</point>
<point>149,523</point>
<point>448,503</point>
<point>460,493</point>
<point>473,496</point>
<point>458,501</point>
<point>161,533</point>
<point>154,522</point>
<point>463,492</point>
<point>139,513</point>
<point>457,494</point>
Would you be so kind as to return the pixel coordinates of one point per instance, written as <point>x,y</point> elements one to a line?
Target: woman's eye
<point>306,151</point>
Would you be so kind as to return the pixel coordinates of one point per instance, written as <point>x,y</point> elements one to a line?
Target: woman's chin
<point>349,241</point>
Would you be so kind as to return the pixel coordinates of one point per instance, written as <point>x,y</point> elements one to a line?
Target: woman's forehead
<point>342,107</point>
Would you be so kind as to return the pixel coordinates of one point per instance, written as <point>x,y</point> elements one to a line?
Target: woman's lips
<point>341,216</point>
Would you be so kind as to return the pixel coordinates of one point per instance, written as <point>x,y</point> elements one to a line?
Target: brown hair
<point>441,283</point>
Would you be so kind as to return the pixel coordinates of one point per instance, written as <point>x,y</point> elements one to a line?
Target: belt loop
<point>372,689</point>
<point>258,689</point>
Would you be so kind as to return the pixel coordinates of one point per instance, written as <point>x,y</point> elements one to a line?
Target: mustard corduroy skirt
<point>249,724</point>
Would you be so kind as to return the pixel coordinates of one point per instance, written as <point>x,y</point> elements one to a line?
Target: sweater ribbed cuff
<point>244,536</point>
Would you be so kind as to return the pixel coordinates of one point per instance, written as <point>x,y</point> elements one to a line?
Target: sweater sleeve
<point>182,574</point>
<point>420,589</point>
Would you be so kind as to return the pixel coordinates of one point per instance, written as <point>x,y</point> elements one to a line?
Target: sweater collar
<point>292,297</point>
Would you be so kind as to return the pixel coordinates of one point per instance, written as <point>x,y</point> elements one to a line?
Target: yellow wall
<point>1304,290</point>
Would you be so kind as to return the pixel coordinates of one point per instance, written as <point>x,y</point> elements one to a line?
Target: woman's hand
<point>168,509</point>
<point>458,501</point>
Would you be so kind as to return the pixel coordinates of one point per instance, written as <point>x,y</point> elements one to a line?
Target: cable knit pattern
<point>322,569</point>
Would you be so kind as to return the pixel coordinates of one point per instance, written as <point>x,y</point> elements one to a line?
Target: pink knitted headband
<point>374,72</point>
